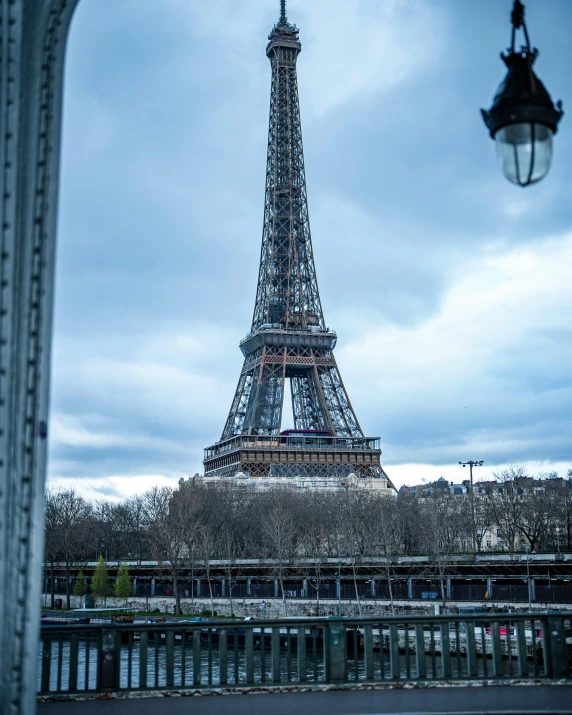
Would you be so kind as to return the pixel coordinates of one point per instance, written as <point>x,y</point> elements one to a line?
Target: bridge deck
<point>505,699</point>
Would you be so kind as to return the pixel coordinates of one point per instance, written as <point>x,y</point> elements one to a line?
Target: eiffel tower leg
<point>339,406</point>
<point>298,404</point>
<point>235,421</point>
<point>264,410</point>
<point>309,407</point>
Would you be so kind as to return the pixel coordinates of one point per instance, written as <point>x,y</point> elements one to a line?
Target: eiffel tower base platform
<point>297,461</point>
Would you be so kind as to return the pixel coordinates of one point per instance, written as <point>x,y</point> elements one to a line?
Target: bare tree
<point>561,491</point>
<point>166,530</point>
<point>409,515</point>
<point>209,520</point>
<point>446,523</point>
<point>72,514</point>
<point>504,502</point>
<point>52,538</point>
<point>483,517</point>
<point>130,519</point>
<point>353,512</point>
<point>280,532</point>
<point>233,536</point>
<point>316,523</point>
<point>387,536</point>
<point>537,507</point>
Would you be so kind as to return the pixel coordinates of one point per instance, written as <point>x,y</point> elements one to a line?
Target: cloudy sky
<point>450,289</point>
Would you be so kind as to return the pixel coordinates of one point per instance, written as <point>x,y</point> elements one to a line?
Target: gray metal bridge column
<point>32,47</point>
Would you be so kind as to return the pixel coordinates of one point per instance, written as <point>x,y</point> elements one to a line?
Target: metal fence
<point>89,658</point>
<point>458,590</point>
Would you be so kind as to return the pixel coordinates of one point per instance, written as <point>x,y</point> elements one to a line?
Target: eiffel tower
<point>289,338</point>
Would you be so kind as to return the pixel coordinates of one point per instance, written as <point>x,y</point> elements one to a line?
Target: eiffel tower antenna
<point>289,338</point>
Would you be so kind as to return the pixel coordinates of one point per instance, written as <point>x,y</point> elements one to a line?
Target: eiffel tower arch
<point>289,338</point>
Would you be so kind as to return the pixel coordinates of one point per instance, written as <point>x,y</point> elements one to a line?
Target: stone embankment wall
<point>274,608</point>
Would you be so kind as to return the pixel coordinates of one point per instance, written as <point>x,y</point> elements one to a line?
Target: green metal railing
<point>89,659</point>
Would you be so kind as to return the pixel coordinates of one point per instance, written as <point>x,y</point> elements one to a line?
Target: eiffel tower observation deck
<point>289,338</point>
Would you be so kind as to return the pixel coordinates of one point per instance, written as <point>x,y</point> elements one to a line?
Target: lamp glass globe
<point>524,151</point>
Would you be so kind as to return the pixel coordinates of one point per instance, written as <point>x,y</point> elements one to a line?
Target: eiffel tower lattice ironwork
<point>289,338</point>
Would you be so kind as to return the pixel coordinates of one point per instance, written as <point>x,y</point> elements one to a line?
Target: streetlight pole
<point>472,463</point>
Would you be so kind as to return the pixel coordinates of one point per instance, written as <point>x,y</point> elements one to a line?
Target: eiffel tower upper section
<point>287,292</point>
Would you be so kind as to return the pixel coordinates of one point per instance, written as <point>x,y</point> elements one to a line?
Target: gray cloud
<point>415,232</point>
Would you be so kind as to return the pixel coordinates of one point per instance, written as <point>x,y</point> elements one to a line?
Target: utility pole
<point>472,463</point>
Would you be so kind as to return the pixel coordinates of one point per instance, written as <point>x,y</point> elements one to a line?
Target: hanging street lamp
<point>523,118</point>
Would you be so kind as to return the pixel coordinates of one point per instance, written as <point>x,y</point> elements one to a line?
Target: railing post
<point>108,661</point>
<point>555,642</point>
<point>249,654</point>
<point>301,645</point>
<point>143,646</point>
<point>521,648</point>
<point>445,649</point>
<point>170,659</point>
<point>196,656</point>
<point>337,657</point>
<point>419,651</point>
<point>46,662</point>
<point>223,654</point>
<point>275,649</point>
<point>471,648</point>
<point>394,650</point>
<point>368,652</point>
<point>496,648</point>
